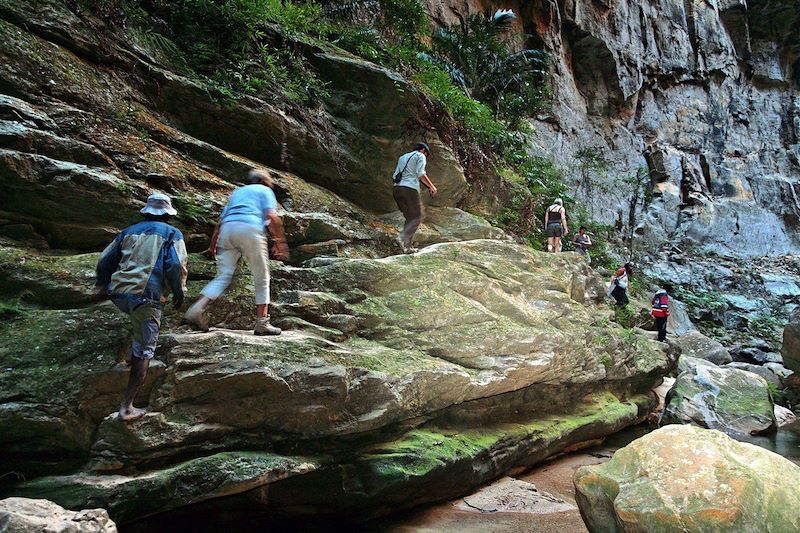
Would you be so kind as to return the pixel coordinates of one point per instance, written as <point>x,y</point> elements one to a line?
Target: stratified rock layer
<point>682,478</point>
<point>486,348</point>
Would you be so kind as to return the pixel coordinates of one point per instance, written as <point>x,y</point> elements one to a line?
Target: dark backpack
<point>399,176</point>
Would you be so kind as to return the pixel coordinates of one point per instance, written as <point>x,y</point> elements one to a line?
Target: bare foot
<point>127,414</point>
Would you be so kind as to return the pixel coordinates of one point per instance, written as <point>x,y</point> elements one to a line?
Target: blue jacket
<point>145,260</point>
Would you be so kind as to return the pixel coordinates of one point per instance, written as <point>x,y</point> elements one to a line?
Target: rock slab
<point>728,399</point>
<point>23,515</point>
<point>682,478</point>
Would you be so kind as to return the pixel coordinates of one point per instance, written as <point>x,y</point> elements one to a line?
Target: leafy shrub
<point>766,326</point>
<point>478,56</point>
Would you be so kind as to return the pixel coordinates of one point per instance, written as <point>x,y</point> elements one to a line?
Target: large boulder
<point>728,399</point>
<point>682,478</point>
<point>791,343</point>
<point>695,344</point>
<point>23,515</point>
<point>440,359</point>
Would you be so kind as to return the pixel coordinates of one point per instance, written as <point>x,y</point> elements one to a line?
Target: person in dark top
<point>555,225</point>
<point>618,289</point>
<point>582,242</point>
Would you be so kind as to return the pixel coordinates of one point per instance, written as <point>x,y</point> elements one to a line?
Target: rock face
<point>682,478</point>
<point>702,95</point>
<point>791,344</point>
<point>418,358</point>
<point>728,399</point>
<point>695,344</point>
<point>22,515</point>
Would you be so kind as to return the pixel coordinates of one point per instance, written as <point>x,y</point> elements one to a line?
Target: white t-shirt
<point>415,169</point>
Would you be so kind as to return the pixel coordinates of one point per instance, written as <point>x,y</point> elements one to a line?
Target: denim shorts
<point>145,322</point>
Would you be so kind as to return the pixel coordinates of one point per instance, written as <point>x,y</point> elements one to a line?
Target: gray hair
<point>558,201</point>
<point>259,176</point>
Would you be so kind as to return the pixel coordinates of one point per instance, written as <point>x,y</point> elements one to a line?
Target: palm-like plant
<point>477,54</point>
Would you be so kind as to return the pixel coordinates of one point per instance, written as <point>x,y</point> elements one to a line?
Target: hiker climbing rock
<point>582,242</point>
<point>240,232</point>
<point>137,270</point>
<point>660,311</point>
<point>408,174</point>
<point>555,225</point>
<point>618,288</point>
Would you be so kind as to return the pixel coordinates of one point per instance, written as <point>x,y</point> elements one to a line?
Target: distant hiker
<point>555,225</point>
<point>582,242</point>
<point>240,232</point>
<point>408,174</point>
<point>618,289</point>
<point>660,312</point>
<point>138,269</point>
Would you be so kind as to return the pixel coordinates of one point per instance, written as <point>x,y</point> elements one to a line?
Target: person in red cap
<point>408,174</point>
<point>137,270</point>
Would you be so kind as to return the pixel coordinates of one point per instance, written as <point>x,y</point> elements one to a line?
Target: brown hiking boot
<point>263,327</point>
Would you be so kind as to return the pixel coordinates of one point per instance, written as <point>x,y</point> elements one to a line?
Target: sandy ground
<point>553,477</point>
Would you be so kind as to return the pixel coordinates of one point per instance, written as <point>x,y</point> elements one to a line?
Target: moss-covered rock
<point>682,478</point>
<point>728,399</point>
<point>205,478</point>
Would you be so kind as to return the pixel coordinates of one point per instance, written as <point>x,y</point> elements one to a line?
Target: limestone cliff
<point>700,93</point>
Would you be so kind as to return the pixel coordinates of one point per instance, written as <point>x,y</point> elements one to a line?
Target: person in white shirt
<point>408,174</point>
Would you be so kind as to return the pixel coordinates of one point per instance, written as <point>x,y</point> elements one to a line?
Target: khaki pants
<point>410,205</point>
<point>237,240</point>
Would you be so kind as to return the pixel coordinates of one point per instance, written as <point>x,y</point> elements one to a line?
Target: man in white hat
<point>138,269</point>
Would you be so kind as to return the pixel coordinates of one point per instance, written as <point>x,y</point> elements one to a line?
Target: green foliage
<point>475,116</point>
<point>12,310</point>
<point>477,54</point>
<point>766,326</point>
<point>406,18</point>
<point>605,360</point>
<point>701,304</point>
<point>194,210</point>
<point>226,43</point>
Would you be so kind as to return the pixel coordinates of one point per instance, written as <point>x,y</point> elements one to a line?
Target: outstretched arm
<point>280,249</point>
<point>425,180</point>
<point>212,248</point>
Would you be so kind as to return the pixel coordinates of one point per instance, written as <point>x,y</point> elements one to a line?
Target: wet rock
<point>710,483</point>
<point>727,399</point>
<point>23,515</point>
<point>483,346</point>
<point>679,322</point>
<point>784,416</point>
<point>695,344</point>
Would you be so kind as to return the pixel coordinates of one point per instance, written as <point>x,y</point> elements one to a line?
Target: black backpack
<point>399,176</point>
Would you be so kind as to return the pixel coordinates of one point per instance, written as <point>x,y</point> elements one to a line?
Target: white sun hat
<point>158,204</point>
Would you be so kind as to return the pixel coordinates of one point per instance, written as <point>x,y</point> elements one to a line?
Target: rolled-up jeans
<point>237,239</point>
